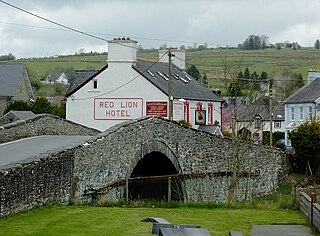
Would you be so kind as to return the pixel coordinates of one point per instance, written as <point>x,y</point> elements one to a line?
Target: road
<point>24,148</point>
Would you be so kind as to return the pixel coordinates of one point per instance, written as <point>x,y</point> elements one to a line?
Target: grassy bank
<point>116,221</point>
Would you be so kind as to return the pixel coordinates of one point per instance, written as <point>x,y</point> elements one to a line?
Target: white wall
<point>301,114</point>
<point>112,84</point>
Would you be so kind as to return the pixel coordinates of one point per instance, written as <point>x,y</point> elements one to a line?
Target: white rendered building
<point>129,88</point>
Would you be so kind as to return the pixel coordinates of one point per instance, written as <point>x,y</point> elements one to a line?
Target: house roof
<point>306,94</point>
<point>81,77</point>
<point>21,114</point>
<point>248,113</point>
<point>183,85</point>
<point>10,76</point>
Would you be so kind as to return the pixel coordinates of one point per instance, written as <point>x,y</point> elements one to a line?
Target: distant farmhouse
<point>129,88</point>
<point>14,85</point>
<point>53,78</point>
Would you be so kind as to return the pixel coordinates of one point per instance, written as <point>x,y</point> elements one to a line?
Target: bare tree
<point>285,83</point>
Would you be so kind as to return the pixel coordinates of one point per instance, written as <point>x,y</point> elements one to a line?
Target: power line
<point>128,82</point>
<point>118,35</point>
<point>53,22</point>
<point>64,26</point>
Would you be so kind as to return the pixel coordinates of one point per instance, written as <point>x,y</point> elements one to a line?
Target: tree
<point>264,77</point>
<point>8,57</point>
<point>194,72</point>
<point>246,74</point>
<point>41,105</point>
<point>317,44</point>
<point>59,110</point>
<point>36,84</point>
<point>285,83</point>
<point>306,142</point>
<point>204,80</point>
<point>18,106</point>
<point>255,82</point>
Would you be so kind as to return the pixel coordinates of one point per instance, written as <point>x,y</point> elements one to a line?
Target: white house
<point>56,78</point>
<point>301,106</point>
<point>129,88</point>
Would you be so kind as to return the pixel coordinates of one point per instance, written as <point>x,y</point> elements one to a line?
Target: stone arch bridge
<point>199,162</point>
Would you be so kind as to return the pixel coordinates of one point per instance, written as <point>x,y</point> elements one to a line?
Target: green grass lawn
<point>87,220</point>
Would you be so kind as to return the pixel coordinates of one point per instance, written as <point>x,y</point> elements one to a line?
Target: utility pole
<point>170,86</point>
<point>270,109</point>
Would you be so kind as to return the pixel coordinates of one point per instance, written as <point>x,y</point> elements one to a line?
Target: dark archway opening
<point>154,165</point>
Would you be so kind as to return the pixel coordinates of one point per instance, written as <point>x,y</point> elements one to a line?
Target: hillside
<point>209,61</point>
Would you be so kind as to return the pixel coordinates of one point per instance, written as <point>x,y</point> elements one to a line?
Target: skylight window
<point>183,79</point>
<point>176,77</point>
<point>162,75</point>
<point>150,73</point>
<point>188,78</point>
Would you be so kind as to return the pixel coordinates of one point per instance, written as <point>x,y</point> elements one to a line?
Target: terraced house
<point>301,106</point>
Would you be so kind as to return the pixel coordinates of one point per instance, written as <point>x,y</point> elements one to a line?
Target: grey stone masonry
<point>111,156</point>
<point>42,124</point>
<point>44,179</point>
<point>116,152</point>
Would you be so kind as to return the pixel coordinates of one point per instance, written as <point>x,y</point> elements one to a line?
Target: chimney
<point>179,58</point>
<point>122,50</point>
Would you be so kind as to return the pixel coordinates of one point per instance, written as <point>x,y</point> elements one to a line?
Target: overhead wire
<point>62,25</point>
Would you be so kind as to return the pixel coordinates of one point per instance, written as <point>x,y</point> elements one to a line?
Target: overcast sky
<point>217,22</point>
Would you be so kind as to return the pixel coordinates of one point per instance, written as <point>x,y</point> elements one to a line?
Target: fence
<point>310,208</point>
<point>181,187</point>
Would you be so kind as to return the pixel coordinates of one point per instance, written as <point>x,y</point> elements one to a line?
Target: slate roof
<point>248,113</point>
<point>10,76</point>
<point>184,86</point>
<point>23,114</point>
<point>306,94</point>
<point>81,77</point>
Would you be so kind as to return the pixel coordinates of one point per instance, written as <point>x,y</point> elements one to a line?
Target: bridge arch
<point>154,160</point>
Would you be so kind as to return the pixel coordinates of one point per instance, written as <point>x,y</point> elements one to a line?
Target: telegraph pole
<point>170,86</point>
<point>270,109</point>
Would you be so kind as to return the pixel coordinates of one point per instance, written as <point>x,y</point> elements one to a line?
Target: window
<point>301,113</point>
<point>210,113</point>
<point>257,122</point>
<point>277,124</point>
<point>292,113</point>
<point>310,113</point>
<point>95,84</point>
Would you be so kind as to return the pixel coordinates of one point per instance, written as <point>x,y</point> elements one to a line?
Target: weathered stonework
<point>111,156</point>
<point>42,124</point>
<point>44,179</point>
<point>117,151</point>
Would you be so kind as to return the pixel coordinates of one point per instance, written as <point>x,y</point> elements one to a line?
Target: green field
<point>86,220</point>
<point>209,61</point>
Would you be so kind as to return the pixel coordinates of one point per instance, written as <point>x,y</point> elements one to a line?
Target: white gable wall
<point>112,83</point>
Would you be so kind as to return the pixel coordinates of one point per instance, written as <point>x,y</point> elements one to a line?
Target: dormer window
<point>95,84</point>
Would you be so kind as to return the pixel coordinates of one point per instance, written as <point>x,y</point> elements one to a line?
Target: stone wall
<point>305,206</point>
<point>3,104</point>
<point>116,152</point>
<point>44,179</point>
<point>42,124</point>
<point>111,156</point>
